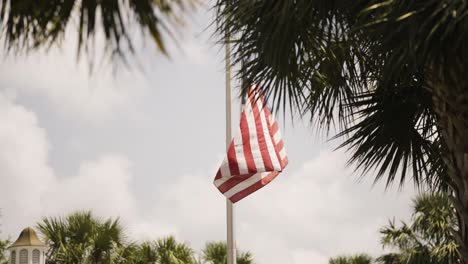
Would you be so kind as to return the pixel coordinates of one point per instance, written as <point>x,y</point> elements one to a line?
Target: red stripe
<point>218,175</point>
<point>226,186</point>
<point>274,128</point>
<point>232,160</point>
<point>254,187</point>
<point>261,139</point>
<point>246,144</point>
<point>279,146</point>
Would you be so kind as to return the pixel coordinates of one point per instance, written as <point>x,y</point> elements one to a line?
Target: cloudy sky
<point>143,144</point>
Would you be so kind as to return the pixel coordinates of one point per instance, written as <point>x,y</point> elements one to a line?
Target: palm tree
<point>428,238</point>
<point>169,251</point>
<point>3,249</point>
<point>82,238</point>
<point>147,253</point>
<point>162,251</point>
<point>388,76</point>
<point>133,253</point>
<point>26,25</point>
<point>356,259</point>
<point>216,253</point>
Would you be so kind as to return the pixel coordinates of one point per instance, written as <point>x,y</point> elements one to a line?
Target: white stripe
<point>240,157</point>
<point>246,184</point>
<point>225,172</point>
<point>277,137</point>
<point>266,133</point>
<point>282,153</point>
<point>256,154</point>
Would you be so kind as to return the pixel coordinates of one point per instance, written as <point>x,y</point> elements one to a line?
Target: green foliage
<point>362,67</point>
<point>428,239</point>
<point>82,238</point>
<point>216,253</point>
<point>26,25</point>
<point>388,76</point>
<point>169,251</point>
<point>355,259</point>
<point>163,251</point>
<point>3,250</point>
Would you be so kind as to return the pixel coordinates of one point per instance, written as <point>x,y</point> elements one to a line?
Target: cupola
<point>27,249</point>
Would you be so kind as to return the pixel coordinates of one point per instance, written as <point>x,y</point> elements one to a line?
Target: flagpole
<point>231,238</point>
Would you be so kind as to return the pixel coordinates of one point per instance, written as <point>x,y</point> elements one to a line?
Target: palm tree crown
<point>169,251</point>
<point>387,75</point>
<point>356,259</point>
<point>81,238</point>
<point>26,25</point>
<point>428,239</point>
<point>216,253</point>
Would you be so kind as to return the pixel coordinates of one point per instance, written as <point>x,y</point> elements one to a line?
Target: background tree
<point>216,253</point>
<point>388,75</point>
<point>3,251</point>
<point>82,238</point>
<point>169,251</point>
<point>27,25</point>
<point>355,259</point>
<point>134,253</point>
<point>3,248</point>
<point>428,239</point>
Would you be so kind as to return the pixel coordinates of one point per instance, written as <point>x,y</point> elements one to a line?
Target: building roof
<point>28,237</point>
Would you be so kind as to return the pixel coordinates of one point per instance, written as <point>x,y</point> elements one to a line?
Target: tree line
<point>82,238</point>
<point>428,239</point>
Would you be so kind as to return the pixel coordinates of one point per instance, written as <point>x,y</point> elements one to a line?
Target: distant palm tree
<point>388,75</point>
<point>216,253</point>
<point>428,239</point>
<point>356,259</point>
<point>3,249</point>
<point>26,25</point>
<point>147,253</point>
<point>81,238</point>
<point>134,253</point>
<point>169,251</point>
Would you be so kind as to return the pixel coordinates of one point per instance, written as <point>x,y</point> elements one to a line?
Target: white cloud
<point>101,186</point>
<point>304,216</point>
<point>25,174</point>
<point>70,87</point>
<point>30,189</point>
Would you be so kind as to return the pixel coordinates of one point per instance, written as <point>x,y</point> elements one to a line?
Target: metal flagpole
<point>231,238</point>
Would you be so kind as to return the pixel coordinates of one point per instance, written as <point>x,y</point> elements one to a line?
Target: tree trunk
<point>451,106</point>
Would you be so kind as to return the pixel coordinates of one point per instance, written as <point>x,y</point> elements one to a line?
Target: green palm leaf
<point>27,25</point>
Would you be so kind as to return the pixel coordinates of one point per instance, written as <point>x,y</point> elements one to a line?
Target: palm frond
<point>337,61</point>
<point>428,239</point>
<point>28,25</point>
<point>289,47</point>
<point>394,130</point>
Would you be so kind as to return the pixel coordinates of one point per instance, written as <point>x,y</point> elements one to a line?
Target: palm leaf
<point>28,25</point>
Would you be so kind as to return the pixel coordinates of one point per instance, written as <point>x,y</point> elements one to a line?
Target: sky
<point>143,143</point>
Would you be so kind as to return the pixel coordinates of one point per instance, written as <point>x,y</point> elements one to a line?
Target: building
<point>27,249</point>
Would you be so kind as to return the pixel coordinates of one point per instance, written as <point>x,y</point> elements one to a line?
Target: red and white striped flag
<point>256,154</point>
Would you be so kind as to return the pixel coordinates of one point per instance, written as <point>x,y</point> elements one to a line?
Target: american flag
<point>256,155</point>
